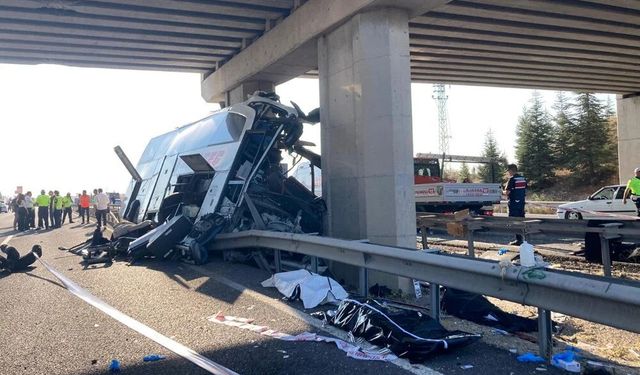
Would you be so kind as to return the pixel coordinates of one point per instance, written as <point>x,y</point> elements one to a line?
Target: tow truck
<point>436,194</point>
<point>433,193</point>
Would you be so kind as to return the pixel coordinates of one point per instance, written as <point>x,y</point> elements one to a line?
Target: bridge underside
<point>588,45</point>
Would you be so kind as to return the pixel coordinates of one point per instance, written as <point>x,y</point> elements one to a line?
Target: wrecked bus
<point>226,168</point>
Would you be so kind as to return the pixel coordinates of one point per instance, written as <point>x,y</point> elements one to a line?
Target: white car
<point>607,200</point>
<point>3,207</point>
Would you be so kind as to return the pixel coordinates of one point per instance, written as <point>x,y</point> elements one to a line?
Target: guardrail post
<point>434,299</point>
<point>471,247</point>
<point>423,232</point>
<point>363,281</point>
<point>606,255</point>
<point>545,331</point>
<point>276,261</point>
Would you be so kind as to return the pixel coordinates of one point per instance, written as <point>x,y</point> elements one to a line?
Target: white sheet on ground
<point>314,289</point>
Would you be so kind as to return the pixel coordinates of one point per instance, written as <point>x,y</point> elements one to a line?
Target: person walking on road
<point>67,203</point>
<point>43,201</point>
<point>516,191</point>
<point>633,190</point>
<point>102,207</point>
<point>57,209</point>
<point>85,203</point>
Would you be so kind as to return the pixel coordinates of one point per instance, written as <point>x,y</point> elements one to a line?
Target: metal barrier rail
<point>623,229</point>
<point>613,302</point>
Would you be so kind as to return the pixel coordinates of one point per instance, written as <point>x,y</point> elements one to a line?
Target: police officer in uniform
<point>516,190</point>
<point>633,188</point>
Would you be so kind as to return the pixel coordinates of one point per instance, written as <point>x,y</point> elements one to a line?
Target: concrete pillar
<point>367,152</point>
<point>628,110</point>
<point>245,90</point>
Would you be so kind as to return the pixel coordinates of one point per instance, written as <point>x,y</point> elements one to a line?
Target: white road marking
<point>6,240</point>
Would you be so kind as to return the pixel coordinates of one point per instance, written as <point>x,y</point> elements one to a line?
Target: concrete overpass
<point>366,53</point>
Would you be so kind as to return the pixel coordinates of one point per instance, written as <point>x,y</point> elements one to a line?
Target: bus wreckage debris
<point>220,174</point>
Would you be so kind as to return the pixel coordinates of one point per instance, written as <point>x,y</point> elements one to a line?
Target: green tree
<point>594,158</point>
<point>564,126</point>
<point>492,172</point>
<point>534,144</point>
<point>464,174</point>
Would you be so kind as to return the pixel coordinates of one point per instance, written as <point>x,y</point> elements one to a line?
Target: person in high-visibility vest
<point>57,209</point>
<point>633,190</point>
<point>85,203</point>
<point>67,202</point>
<point>42,201</point>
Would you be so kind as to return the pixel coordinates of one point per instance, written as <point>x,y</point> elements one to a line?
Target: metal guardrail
<point>624,229</point>
<point>613,302</point>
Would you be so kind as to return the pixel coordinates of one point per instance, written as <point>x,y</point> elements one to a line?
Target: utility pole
<point>440,97</point>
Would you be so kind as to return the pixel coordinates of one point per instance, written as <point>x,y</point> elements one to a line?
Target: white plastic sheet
<point>314,289</point>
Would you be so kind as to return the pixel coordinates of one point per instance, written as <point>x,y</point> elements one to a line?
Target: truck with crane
<point>434,193</point>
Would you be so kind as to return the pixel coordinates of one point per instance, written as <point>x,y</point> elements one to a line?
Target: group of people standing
<point>53,209</point>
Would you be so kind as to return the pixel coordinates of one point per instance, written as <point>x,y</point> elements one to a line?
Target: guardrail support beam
<point>471,245</point>
<point>423,232</point>
<point>363,281</point>
<point>434,299</point>
<point>545,331</point>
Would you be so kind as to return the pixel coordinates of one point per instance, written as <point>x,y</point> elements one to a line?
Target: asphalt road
<point>44,329</point>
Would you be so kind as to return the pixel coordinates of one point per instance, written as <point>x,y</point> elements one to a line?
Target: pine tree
<point>464,175</point>
<point>612,133</point>
<point>593,153</point>
<point>564,127</point>
<point>534,144</point>
<point>492,172</point>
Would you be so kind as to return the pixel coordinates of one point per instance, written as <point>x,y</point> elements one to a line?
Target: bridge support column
<point>628,110</point>
<point>242,92</point>
<point>367,152</point>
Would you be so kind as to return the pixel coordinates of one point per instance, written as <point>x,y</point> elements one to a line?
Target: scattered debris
<point>530,357</point>
<point>114,366</point>
<point>566,360</point>
<point>466,367</point>
<point>153,357</point>
<point>513,351</point>
<point>407,333</point>
<point>307,286</point>
<point>351,350</point>
<point>500,332</point>
<point>478,309</point>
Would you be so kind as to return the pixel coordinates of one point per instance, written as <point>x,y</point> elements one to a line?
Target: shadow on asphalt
<point>44,279</point>
<point>26,271</point>
<point>183,275</point>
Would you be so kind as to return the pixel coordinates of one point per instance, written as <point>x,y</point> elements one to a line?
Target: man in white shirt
<point>31,219</point>
<point>102,207</point>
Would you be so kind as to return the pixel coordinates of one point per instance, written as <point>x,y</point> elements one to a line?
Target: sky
<point>59,125</point>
